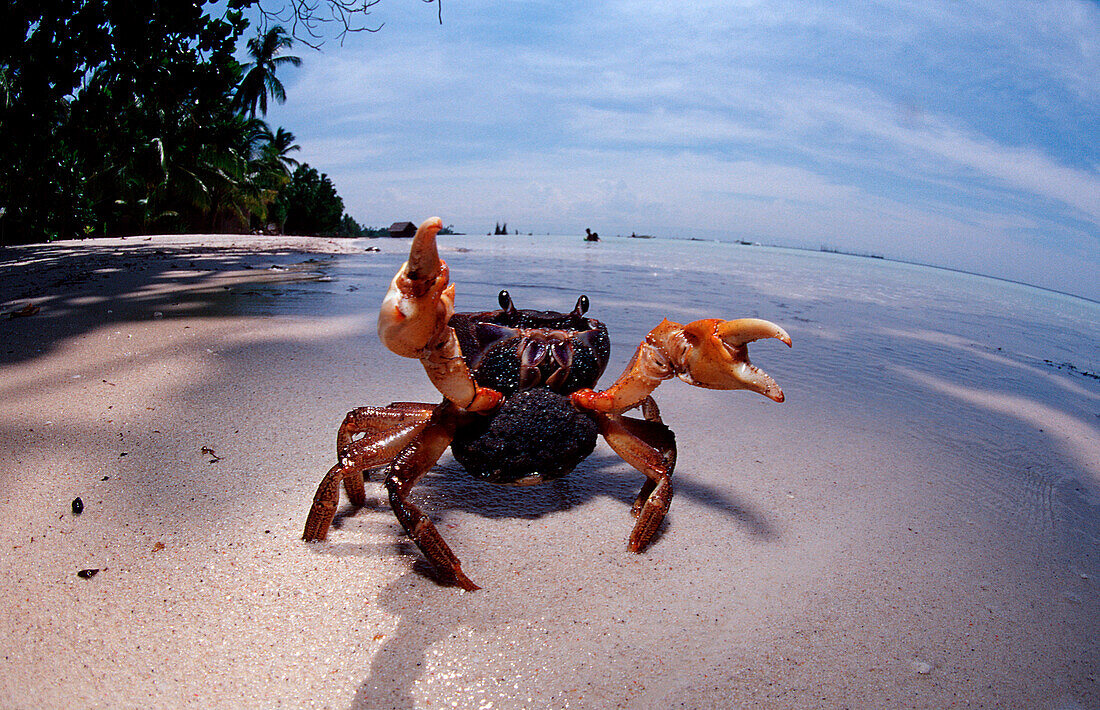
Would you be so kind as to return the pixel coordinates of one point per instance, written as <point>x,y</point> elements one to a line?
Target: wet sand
<point>895,535</point>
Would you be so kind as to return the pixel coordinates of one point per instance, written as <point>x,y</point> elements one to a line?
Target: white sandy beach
<point>917,526</point>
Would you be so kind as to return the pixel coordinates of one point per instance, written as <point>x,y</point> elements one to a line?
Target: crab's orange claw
<point>709,353</point>
<point>745,330</point>
<point>716,355</point>
<point>413,322</point>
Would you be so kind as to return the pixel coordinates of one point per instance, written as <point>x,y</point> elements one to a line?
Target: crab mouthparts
<point>544,359</point>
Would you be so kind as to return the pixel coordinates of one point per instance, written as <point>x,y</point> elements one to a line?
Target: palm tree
<point>277,148</point>
<point>259,81</point>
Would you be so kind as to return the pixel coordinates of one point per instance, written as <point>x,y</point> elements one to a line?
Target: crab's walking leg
<point>358,456</point>
<point>413,462</point>
<point>372,421</point>
<point>649,447</point>
<point>413,322</point>
<point>652,414</point>
<point>709,353</point>
<point>650,410</point>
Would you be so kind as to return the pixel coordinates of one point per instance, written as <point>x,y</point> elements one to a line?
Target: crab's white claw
<point>419,302</point>
<point>709,353</point>
<point>413,322</point>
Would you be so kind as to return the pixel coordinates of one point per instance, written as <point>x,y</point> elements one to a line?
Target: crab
<point>519,405</point>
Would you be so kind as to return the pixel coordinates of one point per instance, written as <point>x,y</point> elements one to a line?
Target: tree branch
<point>309,19</point>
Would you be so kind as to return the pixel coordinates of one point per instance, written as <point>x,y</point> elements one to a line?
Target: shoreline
<point>341,245</point>
<point>882,257</point>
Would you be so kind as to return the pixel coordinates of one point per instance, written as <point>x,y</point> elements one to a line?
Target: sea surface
<point>875,312</point>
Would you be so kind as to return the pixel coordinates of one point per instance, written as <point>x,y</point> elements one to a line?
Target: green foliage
<point>259,80</point>
<point>309,204</point>
<point>121,117</point>
<point>375,232</point>
<point>350,228</point>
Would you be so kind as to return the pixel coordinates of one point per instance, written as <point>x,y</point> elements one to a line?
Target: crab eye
<point>582,306</point>
<point>505,301</point>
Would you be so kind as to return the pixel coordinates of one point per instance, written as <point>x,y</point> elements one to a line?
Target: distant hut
<point>402,229</point>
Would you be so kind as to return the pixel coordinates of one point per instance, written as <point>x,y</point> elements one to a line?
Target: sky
<point>960,134</point>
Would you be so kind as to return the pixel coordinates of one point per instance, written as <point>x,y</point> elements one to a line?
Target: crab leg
<point>413,322</point>
<point>370,451</point>
<point>649,447</point>
<point>709,353</point>
<point>408,467</point>
<point>374,421</point>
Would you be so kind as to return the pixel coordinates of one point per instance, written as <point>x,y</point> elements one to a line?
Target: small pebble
<point>922,667</point>
<point>78,506</point>
<point>87,573</point>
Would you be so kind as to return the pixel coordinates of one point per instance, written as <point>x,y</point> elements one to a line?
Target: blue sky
<point>964,134</point>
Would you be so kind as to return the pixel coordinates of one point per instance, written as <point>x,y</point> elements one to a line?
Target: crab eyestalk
<point>413,322</point>
<point>710,353</point>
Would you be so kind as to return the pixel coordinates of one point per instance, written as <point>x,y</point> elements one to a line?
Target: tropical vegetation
<point>122,117</point>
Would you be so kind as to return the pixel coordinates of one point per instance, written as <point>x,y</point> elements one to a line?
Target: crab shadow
<point>448,489</point>
<point>424,620</point>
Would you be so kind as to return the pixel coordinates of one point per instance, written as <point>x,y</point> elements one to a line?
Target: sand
<point>860,545</point>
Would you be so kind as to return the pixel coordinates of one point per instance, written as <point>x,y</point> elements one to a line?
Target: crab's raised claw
<point>419,301</point>
<point>715,355</point>
<point>413,322</point>
<point>711,353</point>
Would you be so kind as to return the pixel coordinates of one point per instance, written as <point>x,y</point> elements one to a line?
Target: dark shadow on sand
<point>451,489</point>
<point>80,287</point>
<point>430,615</point>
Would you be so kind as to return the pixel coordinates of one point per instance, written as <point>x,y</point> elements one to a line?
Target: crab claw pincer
<point>710,353</point>
<point>413,322</point>
<point>419,302</point>
<point>715,355</point>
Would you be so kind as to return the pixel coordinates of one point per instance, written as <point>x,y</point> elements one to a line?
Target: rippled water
<point>964,327</point>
